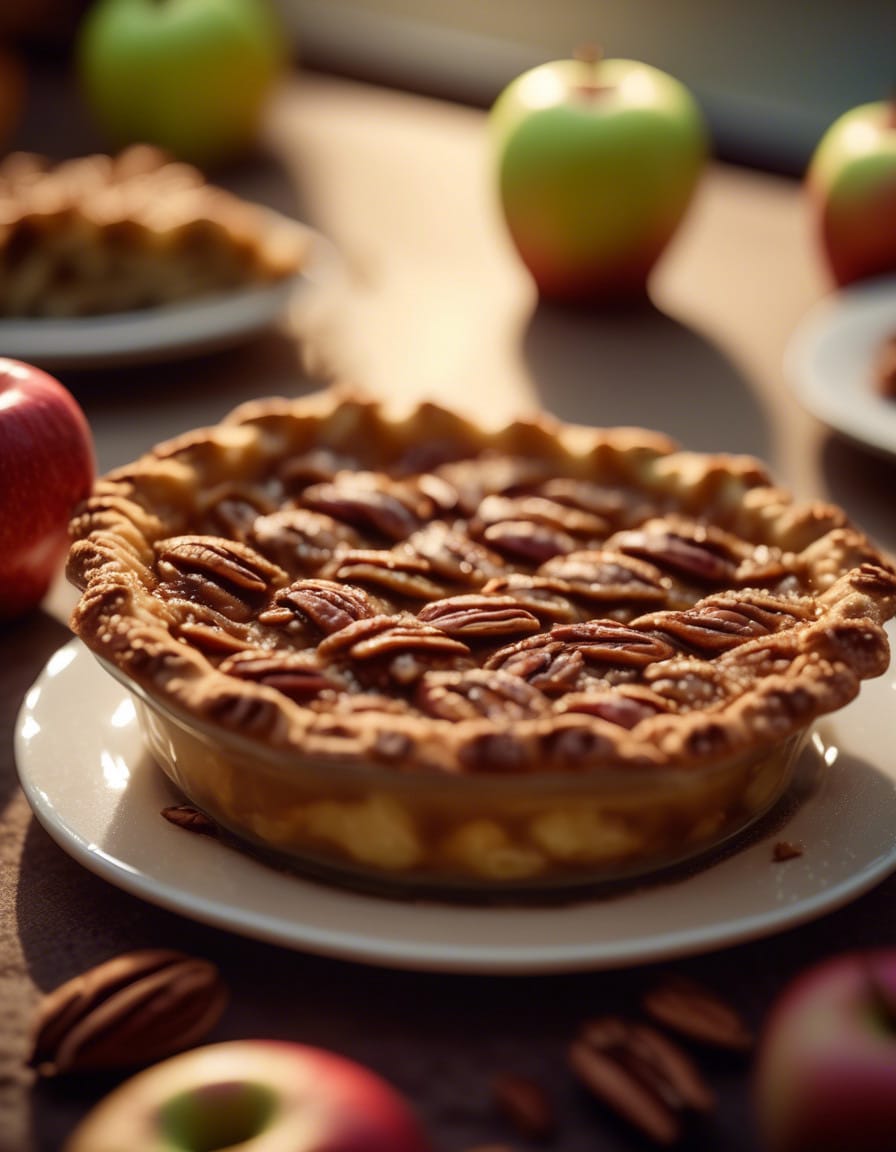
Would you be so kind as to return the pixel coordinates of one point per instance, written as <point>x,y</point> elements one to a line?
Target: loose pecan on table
<point>190,818</point>
<point>640,1074</point>
<point>699,1013</point>
<point>134,1009</point>
<point>524,1102</point>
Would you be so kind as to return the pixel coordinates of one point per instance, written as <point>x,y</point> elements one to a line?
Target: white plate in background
<point>831,358</point>
<point>166,332</point>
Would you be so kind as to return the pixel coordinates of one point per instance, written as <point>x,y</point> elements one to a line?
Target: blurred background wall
<point>771,74</point>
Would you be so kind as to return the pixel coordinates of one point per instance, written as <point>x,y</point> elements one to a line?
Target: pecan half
<point>698,1013</point>
<point>232,512</point>
<point>610,642</point>
<point>547,664</point>
<point>477,693</point>
<point>527,541</point>
<point>524,1102</point>
<point>624,708</point>
<point>226,575</point>
<point>295,674</point>
<point>540,510</point>
<point>601,576</point>
<point>190,818</point>
<point>392,508</point>
<point>474,617</point>
<point>301,540</point>
<point>640,1074</point>
<point>392,571</point>
<point>699,554</point>
<point>133,1009</point>
<point>452,555</point>
<point>324,604</point>
<point>547,598</point>
<point>399,648</point>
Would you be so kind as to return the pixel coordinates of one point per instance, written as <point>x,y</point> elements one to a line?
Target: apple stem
<point>590,54</point>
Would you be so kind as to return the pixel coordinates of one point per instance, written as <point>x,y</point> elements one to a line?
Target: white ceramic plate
<point>82,766</point>
<point>831,357</point>
<point>168,332</point>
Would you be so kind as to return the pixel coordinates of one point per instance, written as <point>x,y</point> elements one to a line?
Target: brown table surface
<point>430,300</point>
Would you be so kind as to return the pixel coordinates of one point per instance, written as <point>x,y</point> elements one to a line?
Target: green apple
<point>851,184</point>
<point>191,76</point>
<point>597,163</point>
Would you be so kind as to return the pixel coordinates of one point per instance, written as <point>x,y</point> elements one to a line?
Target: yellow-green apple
<point>191,76</point>
<point>597,162</point>
<point>826,1063</point>
<point>47,466</point>
<point>252,1094</point>
<point>851,185</point>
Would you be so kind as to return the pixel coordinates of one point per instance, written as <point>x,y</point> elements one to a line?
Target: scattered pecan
<point>475,693</point>
<point>134,1009</point>
<point>476,617</point>
<point>698,1013</point>
<point>523,1101</point>
<point>640,1074</point>
<point>194,820</point>
<point>786,850</point>
<point>228,576</point>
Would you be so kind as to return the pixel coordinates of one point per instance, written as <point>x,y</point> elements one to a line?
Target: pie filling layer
<point>407,645</point>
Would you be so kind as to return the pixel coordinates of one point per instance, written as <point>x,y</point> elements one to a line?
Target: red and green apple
<point>597,163</point>
<point>190,76</point>
<point>252,1094</point>
<point>47,466</point>
<point>851,185</point>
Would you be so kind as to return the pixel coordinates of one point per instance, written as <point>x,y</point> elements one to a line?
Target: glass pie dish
<point>410,652</point>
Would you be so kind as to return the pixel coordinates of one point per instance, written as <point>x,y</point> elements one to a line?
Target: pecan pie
<point>408,646</point>
<point>102,234</point>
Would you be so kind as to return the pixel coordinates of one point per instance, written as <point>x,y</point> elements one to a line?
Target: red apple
<point>268,1095</point>
<point>47,466</point>
<point>826,1064</point>
<point>851,184</point>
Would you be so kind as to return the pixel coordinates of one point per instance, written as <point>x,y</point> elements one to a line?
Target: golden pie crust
<point>334,584</point>
<point>103,234</point>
